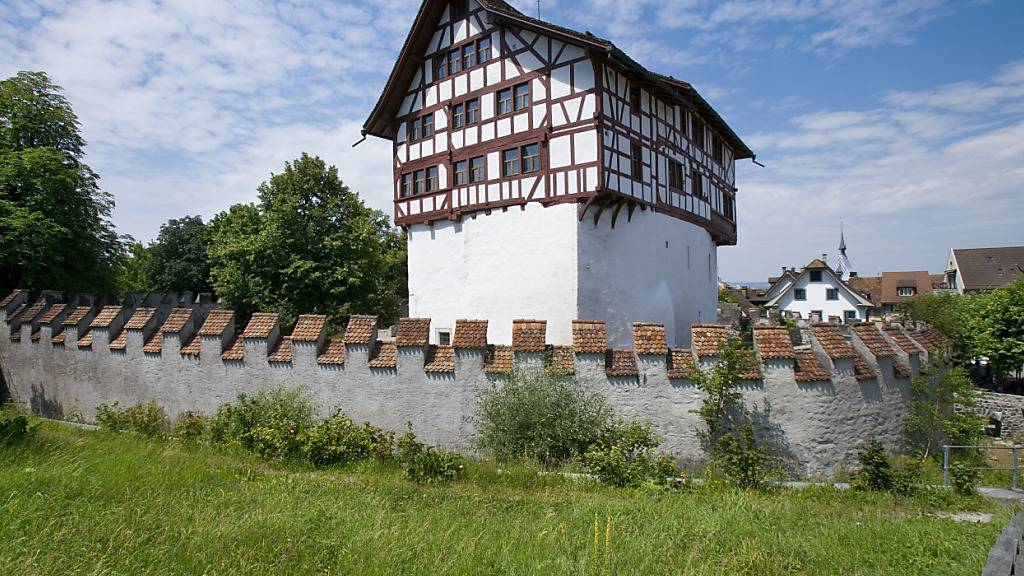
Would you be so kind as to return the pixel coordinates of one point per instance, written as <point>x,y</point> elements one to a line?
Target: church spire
<point>842,240</point>
<point>843,263</point>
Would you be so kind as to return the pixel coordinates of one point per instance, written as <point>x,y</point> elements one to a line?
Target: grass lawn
<point>85,502</point>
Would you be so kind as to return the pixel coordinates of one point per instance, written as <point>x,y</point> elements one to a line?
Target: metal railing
<point>1013,461</point>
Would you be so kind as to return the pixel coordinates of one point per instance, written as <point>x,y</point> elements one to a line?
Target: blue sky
<point>902,118</point>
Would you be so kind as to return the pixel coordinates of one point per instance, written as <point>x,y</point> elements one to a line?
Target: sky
<point>903,120</point>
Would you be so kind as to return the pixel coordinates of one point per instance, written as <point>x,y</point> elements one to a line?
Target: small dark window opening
<point>530,158</point>
<point>472,111</point>
<point>458,115</point>
<point>815,275</point>
<point>637,164</point>
<point>461,172</point>
<point>697,183</point>
<point>476,169</point>
<point>634,99</point>
<point>483,50</point>
<point>460,8</point>
<point>675,175</point>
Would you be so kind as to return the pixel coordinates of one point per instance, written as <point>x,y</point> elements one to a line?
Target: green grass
<point>85,502</point>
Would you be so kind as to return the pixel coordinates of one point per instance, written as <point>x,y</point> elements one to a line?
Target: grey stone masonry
<point>195,361</point>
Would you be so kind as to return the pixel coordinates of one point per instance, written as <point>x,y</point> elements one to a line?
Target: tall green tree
<point>308,245</point>
<point>131,274</point>
<point>55,229</point>
<point>179,259</point>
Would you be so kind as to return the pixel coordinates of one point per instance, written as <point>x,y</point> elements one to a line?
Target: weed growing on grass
<point>148,420</point>
<point>190,427</point>
<point>625,457</point>
<point>270,423</point>
<point>15,426</point>
<point>339,440</point>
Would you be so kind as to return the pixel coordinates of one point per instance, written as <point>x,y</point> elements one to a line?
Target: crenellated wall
<point>816,402</point>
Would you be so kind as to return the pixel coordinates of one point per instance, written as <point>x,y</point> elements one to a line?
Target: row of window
<point>509,100</point>
<point>717,147</point>
<point>514,162</point>
<point>463,58</point>
<point>801,294</point>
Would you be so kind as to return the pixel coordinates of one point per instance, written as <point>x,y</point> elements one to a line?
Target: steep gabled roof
<point>989,268</point>
<point>817,264</point>
<point>379,122</point>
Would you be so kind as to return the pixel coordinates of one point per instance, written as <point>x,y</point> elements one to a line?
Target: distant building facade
<point>975,269</point>
<point>818,293</point>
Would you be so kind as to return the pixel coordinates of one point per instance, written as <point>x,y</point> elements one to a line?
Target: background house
<point>973,269</point>
<point>817,293</point>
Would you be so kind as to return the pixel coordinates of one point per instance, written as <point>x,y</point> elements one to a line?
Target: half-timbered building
<point>541,172</point>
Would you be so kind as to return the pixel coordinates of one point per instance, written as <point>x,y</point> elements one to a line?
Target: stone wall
<point>815,401</point>
<point>1005,409</point>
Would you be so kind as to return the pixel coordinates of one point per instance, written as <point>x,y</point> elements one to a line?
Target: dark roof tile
<point>680,363</point>
<point>872,338</point>
<point>282,351</point>
<point>620,362</point>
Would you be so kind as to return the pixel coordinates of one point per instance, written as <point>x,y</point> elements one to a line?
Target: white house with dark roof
<point>975,269</point>
<point>817,292</point>
<point>540,172</point>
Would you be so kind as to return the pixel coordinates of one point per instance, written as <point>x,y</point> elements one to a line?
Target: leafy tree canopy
<point>308,245</point>
<point>55,230</point>
<point>179,260</point>
<point>131,275</point>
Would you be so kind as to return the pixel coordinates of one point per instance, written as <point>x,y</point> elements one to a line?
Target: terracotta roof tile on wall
<point>52,313</point>
<point>588,336</point>
<point>832,341</point>
<point>216,322</point>
<point>86,340</point>
<point>120,342</point>
<point>900,370</point>
<point>235,351</point>
<point>807,368</point>
<point>260,325</point>
<point>754,373</point>
<point>58,339</point>
<point>440,360</point>
<point>873,339</point>
<point>680,363</point>
<point>620,362</point>
<point>385,355</point>
<point>529,335</point>
<point>561,360</point>
<point>155,344</point>
<point>931,336</point>
<point>140,318</point>
<point>470,334</point>
<point>333,354</point>
<point>282,352</point>
<point>649,339</point>
<point>902,340</point>
<point>21,308</point>
<point>105,317</point>
<point>360,329</point>
<point>309,327</point>
<point>773,342</point>
<point>176,320</point>
<point>191,348</point>
<point>707,338</point>
<point>35,310</point>
<point>36,336</point>
<point>499,361</point>
<point>77,315</point>
<point>10,297</point>
<point>861,369</point>
<point>413,332</point>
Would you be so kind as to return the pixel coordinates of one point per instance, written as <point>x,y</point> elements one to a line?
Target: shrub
<point>541,416</point>
<point>338,440</point>
<point>148,420</point>
<point>14,426</point>
<point>625,457</point>
<point>269,423</point>
<point>190,427</point>
<point>742,459</point>
<point>875,470</point>
<point>426,465</point>
<point>964,478</point>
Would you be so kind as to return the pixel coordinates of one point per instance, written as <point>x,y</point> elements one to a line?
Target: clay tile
<point>235,352</point>
<point>832,341</point>
<point>529,335</point>
<point>106,317</point>
<point>58,339</point>
<point>36,336</point>
<point>216,322</point>
<point>807,368</point>
<point>385,355</point>
<point>620,362</point>
<point>773,342</point>
<point>861,369</point>
<point>21,308</point>
<point>260,325</point>
<point>10,297</point>
<point>77,315</point>
<point>754,373</point>
<point>86,340</point>
<point>649,339</point>
<point>499,360</point>
<point>192,347</point>
<point>333,354</point>
<point>561,360</point>
<point>413,332</point>
<point>360,329</point>
<point>440,359</point>
<point>707,338</point>
<point>52,313</point>
<point>282,352</point>
<point>309,328</point>
<point>176,320</point>
<point>588,336</point>
<point>470,334</point>
<point>873,339</point>
<point>155,344</point>
<point>680,363</point>
<point>902,340</point>
<point>120,342</point>
<point>140,317</point>
<point>34,311</point>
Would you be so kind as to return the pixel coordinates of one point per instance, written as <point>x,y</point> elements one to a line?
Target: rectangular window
<point>851,314</point>
<point>697,183</point>
<point>454,60</point>
<point>476,169</point>
<point>458,115</point>
<point>730,207</point>
<point>832,294</point>
<point>415,130</point>
<point>906,291</point>
<point>800,294</point>
<point>675,175</point>
<point>406,187</point>
<point>504,102</point>
<point>698,133</point>
<point>522,96</point>
<point>483,50</point>
<point>683,125</point>
<point>531,158</point>
<point>468,56</point>
<point>440,67</point>
<point>459,9</point>
<point>428,125</point>
<point>637,164</point>
<point>815,275</point>
<point>716,149</point>
<point>510,162</point>
<point>444,337</point>
<point>461,172</point>
<point>419,184</point>
<point>634,99</point>
<point>472,111</point>
<point>431,178</point>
